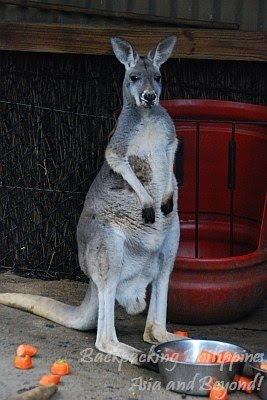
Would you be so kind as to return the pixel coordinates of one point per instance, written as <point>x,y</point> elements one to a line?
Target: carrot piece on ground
<point>181,333</point>
<point>218,392</point>
<point>224,357</point>
<point>245,383</point>
<point>26,350</point>
<point>60,367</point>
<point>210,383</point>
<point>49,379</point>
<point>236,378</point>
<point>22,362</point>
<point>206,357</point>
<point>263,366</point>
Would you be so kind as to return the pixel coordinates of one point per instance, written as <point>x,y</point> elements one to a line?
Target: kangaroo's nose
<point>149,96</point>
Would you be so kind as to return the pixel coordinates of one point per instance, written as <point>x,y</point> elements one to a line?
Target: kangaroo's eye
<point>134,78</point>
<point>158,78</point>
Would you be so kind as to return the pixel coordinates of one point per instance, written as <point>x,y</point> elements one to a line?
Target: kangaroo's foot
<point>121,350</point>
<point>154,334</point>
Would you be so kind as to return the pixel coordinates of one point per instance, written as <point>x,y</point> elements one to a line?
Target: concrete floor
<point>97,380</point>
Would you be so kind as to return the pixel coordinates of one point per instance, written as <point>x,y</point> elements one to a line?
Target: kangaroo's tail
<point>83,317</point>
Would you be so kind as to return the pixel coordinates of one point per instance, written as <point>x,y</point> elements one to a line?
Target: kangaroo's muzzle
<point>148,98</point>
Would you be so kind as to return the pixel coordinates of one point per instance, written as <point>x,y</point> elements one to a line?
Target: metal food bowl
<point>184,375</point>
<point>260,374</point>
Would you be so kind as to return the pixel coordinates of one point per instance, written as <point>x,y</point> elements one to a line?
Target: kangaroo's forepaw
<point>148,214</point>
<point>167,206</point>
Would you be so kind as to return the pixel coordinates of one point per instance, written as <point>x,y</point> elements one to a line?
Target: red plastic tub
<point>220,272</point>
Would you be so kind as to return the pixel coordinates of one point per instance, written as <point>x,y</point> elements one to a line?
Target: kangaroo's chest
<point>150,140</point>
<point>147,155</point>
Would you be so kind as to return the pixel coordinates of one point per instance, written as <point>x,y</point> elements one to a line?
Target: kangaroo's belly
<point>138,270</point>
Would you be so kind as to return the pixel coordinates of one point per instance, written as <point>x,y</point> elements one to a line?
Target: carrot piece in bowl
<point>171,356</point>
<point>224,357</point>
<point>206,357</point>
<point>26,350</point>
<point>22,362</point>
<point>237,357</point>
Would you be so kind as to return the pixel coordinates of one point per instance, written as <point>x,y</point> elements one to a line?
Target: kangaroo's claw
<point>167,207</point>
<point>148,214</point>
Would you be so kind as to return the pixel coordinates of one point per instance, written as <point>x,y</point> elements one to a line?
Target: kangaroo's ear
<point>162,51</point>
<point>124,52</point>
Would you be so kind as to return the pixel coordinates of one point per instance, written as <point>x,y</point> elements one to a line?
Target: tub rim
<point>217,109</point>
<point>252,259</point>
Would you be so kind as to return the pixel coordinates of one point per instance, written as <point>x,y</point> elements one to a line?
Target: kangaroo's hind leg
<point>104,257</point>
<point>155,330</point>
<point>107,340</point>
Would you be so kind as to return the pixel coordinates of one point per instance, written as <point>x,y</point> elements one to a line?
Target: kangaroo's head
<point>142,81</point>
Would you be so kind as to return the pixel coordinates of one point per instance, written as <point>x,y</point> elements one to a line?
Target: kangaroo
<point>128,232</point>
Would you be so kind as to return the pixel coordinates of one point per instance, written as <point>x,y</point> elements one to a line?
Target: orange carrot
<point>22,362</point>
<point>224,357</point>
<point>26,350</point>
<point>263,366</point>
<point>236,378</point>
<point>237,358</point>
<point>60,367</point>
<point>218,392</point>
<point>244,383</point>
<point>210,383</point>
<point>49,379</point>
<point>181,333</point>
<point>206,357</point>
<point>171,356</point>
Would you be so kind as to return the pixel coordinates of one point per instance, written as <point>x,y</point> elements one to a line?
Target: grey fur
<point>128,233</point>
